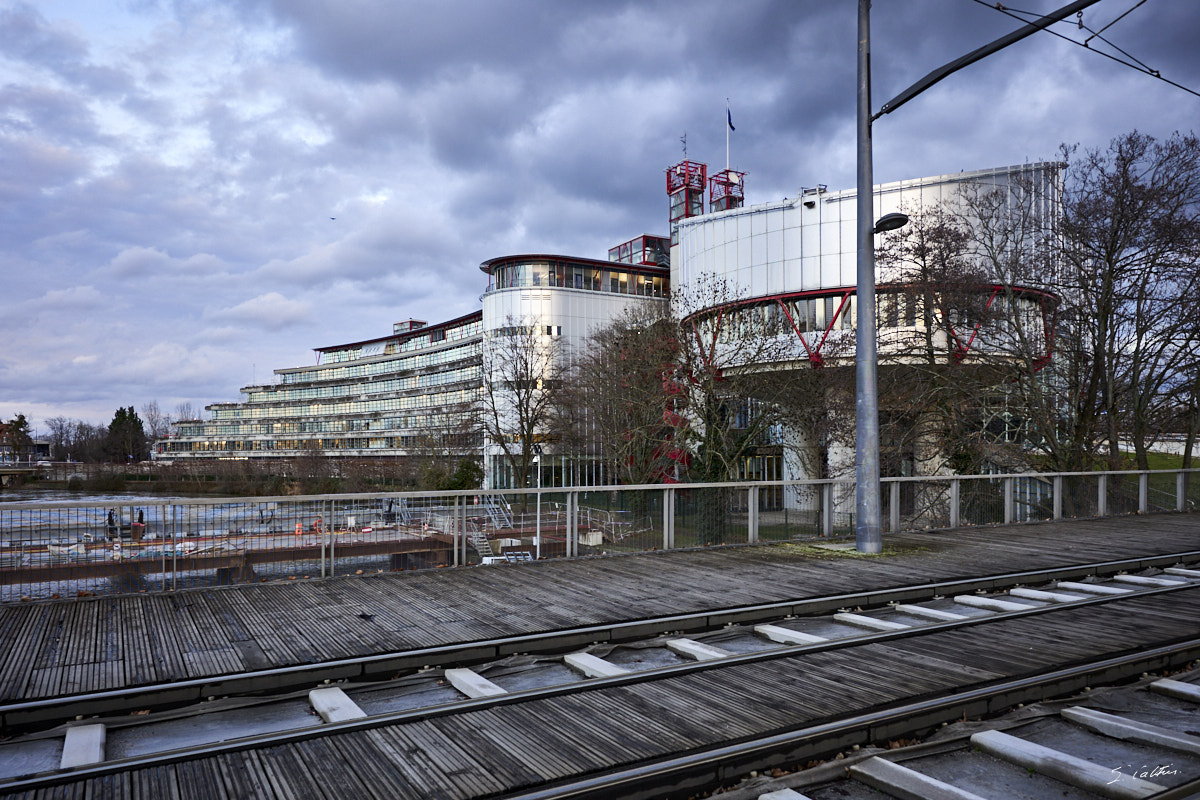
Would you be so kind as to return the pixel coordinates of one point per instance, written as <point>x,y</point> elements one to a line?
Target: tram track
<point>42,712</point>
<point>982,691</point>
<point>721,767</point>
<point>1135,740</point>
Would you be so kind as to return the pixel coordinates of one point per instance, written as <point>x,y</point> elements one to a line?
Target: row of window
<point>461,443</point>
<point>422,381</point>
<point>642,250</point>
<point>419,361</point>
<point>276,428</point>
<point>894,310</point>
<point>527,330</point>
<point>404,344</point>
<point>574,276</point>
<point>431,400</point>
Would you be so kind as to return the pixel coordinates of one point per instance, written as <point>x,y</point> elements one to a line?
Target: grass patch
<point>810,550</point>
<point>1164,461</point>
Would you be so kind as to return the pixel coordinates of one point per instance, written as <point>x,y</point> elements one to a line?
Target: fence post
<point>954,490</point>
<point>572,523</point>
<point>1102,497</point>
<point>322,511</point>
<point>827,509</point>
<point>329,521</point>
<point>1180,490</point>
<point>894,506</point>
<point>1144,493</point>
<point>752,514</point>
<point>1009,510</point>
<point>460,524</point>
<point>1057,485</point>
<point>668,519</point>
<point>453,538</point>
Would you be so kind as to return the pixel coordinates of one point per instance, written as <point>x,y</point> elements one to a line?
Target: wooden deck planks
<point>510,748</point>
<point>100,643</point>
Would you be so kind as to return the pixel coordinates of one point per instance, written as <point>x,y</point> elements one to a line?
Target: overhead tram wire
<point>1134,63</point>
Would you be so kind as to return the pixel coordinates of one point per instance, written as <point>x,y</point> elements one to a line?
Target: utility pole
<point>868,533</point>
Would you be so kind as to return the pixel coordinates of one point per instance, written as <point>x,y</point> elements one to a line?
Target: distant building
<point>392,396</point>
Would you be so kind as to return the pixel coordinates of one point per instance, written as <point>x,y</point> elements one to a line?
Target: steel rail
<point>708,769</point>
<point>24,715</point>
<point>1187,641</point>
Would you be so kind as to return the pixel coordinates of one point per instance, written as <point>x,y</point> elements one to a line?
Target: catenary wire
<point>1138,66</point>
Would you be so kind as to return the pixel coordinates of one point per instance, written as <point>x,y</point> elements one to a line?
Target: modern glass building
<point>790,269</point>
<point>399,395</point>
<point>562,300</point>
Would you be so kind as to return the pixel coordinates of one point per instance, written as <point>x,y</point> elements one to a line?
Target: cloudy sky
<point>196,192</point>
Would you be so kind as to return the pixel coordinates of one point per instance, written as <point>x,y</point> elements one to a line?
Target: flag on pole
<point>729,116</point>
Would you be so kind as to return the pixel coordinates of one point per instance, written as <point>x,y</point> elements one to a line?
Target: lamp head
<point>890,222</point>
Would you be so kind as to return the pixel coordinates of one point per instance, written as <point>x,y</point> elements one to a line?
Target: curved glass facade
<point>594,276</point>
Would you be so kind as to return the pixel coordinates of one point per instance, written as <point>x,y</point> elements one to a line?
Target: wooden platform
<point>70,646</point>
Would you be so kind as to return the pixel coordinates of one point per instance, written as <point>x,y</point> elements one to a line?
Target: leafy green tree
<point>15,437</point>
<point>126,440</point>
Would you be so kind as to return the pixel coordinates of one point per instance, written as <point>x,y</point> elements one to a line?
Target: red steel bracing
<point>962,350</point>
<point>815,357</point>
<point>726,185</point>
<point>836,314</point>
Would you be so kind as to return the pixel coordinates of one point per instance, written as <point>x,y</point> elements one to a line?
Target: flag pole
<point>728,125</point>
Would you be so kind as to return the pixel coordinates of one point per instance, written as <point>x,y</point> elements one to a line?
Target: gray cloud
<point>168,171</point>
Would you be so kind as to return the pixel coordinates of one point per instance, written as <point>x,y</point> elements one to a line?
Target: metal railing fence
<point>81,548</point>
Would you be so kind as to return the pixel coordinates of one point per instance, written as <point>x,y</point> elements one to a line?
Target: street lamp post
<point>537,541</point>
<point>868,534</point>
<point>868,531</point>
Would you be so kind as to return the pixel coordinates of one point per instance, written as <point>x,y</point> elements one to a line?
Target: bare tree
<point>731,389</point>
<point>185,411</point>
<point>61,430</point>
<point>935,372</point>
<point>1132,240</point>
<point>522,378</point>
<point>619,399</point>
<point>1124,264</point>
<point>158,425</point>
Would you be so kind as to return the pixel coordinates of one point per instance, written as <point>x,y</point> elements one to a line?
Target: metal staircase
<point>479,541</point>
<point>498,511</point>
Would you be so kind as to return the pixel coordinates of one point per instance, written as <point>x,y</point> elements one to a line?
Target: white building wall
<point>579,312</point>
<point>808,243</point>
<point>784,247</point>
